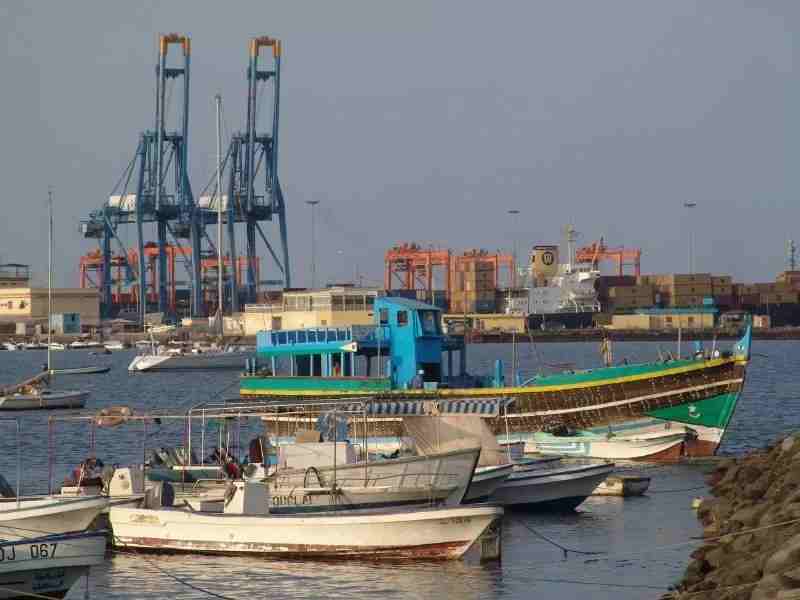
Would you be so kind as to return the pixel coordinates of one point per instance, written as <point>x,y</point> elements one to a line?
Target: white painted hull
<point>44,400</point>
<point>555,489</point>
<point>47,515</point>
<point>445,533</point>
<point>306,500</point>
<point>485,481</point>
<point>164,362</point>
<point>48,565</point>
<point>619,447</point>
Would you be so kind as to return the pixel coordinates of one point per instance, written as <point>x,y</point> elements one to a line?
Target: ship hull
<point>696,397</point>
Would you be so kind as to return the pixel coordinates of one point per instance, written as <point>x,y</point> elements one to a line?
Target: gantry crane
<point>252,157</point>
<point>163,194</point>
<point>597,251</point>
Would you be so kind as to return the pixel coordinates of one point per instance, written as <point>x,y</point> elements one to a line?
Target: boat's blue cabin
<point>406,341</point>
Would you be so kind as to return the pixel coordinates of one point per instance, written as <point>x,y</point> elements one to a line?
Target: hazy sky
<point>427,121</point>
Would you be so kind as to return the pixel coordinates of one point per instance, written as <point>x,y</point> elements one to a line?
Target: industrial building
<point>297,309</point>
<point>29,304</point>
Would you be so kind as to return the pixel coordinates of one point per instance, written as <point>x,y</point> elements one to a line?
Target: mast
<point>49,279</point>
<point>220,310</point>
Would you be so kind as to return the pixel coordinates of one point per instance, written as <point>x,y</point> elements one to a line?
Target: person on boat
<point>417,382</point>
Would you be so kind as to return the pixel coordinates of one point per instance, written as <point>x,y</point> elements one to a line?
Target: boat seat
<point>159,495</point>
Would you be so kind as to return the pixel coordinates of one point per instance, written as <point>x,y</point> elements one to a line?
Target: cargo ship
<point>561,295</point>
<point>696,396</point>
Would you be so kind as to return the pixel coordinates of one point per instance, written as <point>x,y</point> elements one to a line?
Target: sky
<point>428,121</point>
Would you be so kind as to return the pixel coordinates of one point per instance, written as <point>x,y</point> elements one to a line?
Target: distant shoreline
<point>495,337</point>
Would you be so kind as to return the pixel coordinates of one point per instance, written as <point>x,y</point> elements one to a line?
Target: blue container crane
<point>251,167</point>
<point>163,194</point>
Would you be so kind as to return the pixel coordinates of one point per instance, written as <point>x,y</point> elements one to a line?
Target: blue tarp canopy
<point>486,407</point>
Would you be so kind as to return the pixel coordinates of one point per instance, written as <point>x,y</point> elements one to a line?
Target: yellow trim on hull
<point>504,391</point>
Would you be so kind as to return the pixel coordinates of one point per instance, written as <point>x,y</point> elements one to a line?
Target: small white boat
<point>48,566</point>
<point>551,489</point>
<point>176,359</point>
<point>441,478</point>
<point>81,370</point>
<point>57,346</point>
<point>36,516</point>
<point>485,481</point>
<point>246,527</point>
<point>623,485</point>
<point>114,345</point>
<point>11,346</point>
<point>43,399</point>
<point>661,445</point>
<point>34,346</point>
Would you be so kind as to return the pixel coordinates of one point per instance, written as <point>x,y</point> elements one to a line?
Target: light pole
<point>313,205</point>
<point>690,250</point>
<point>220,290</point>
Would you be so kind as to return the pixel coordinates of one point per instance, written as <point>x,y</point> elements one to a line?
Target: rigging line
<point>603,584</point>
<point>212,395</point>
<point>20,593</point>
<point>171,576</point>
<point>689,489</point>
<point>564,549</point>
<point>638,554</point>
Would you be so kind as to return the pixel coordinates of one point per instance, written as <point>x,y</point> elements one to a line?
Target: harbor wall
<point>751,528</point>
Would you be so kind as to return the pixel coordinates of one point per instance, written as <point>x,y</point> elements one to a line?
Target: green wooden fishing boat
<point>697,395</point>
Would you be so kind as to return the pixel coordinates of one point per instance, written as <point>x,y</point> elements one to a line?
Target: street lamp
<point>513,212</point>
<point>313,205</point>
<point>690,250</point>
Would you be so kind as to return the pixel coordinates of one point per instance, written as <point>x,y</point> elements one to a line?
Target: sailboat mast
<point>49,279</point>
<point>220,311</point>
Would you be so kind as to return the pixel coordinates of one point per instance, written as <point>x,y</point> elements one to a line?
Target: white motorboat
<point>177,359</point>
<point>34,346</point>
<point>656,445</point>
<point>114,345</point>
<point>246,527</point>
<point>11,346</point>
<point>43,399</point>
<point>48,566</point>
<point>22,518</point>
<point>442,478</point>
<point>485,481</point>
<point>57,346</point>
<point>551,488</point>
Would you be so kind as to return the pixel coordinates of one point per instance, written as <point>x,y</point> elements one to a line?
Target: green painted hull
<point>709,412</point>
<point>289,385</point>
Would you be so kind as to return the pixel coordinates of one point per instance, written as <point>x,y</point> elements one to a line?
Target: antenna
<point>791,255</point>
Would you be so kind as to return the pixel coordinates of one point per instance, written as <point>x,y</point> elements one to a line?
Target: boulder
<point>767,588</point>
<point>786,558</point>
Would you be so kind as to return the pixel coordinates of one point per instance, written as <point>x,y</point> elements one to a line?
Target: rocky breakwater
<point>751,526</point>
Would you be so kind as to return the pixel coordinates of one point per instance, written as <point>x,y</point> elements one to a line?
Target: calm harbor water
<point>634,530</point>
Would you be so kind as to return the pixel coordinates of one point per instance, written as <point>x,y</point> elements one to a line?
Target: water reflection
<point>629,528</point>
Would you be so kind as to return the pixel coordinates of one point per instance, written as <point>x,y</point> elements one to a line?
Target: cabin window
<point>430,324</point>
<point>402,318</point>
<point>383,315</point>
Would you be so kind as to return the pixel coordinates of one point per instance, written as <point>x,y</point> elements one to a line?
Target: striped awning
<point>484,407</point>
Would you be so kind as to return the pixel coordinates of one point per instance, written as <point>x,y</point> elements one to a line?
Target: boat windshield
<point>430,324</point>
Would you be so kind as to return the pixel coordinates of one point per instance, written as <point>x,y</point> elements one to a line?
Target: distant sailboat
<point>32,394</point>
